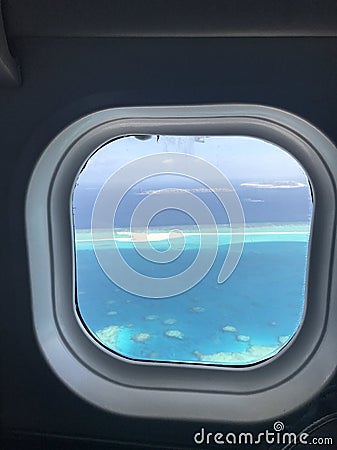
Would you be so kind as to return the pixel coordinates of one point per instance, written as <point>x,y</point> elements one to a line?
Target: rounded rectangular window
<point>192,249</point>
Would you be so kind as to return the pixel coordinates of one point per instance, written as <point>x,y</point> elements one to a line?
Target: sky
<point>239,158</point>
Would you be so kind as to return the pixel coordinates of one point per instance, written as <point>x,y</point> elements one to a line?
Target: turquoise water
<point>247,318</point>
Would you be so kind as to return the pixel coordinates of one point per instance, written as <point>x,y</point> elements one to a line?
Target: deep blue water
<point>263,299</point>
<point>259,206</point>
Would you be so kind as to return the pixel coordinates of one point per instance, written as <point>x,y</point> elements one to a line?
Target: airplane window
<point>192,248</point>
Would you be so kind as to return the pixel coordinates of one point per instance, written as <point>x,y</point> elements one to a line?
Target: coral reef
<point>229,328</point>
<point>112,313</point>
<point>169,321</point>
<point>254,353</point>
<point>174,334</point>
<point>242,338</point>
<point>283,339</point>
<point>109,335</point>
<point>151,317</point>
<point>153,355</point>
<point>141,337</point>
<point>197,309</point>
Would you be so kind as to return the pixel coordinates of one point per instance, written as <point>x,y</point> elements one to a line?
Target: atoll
<point>109,335</point>
<point>283,339</point>
<point>229,328</point>
<point>223,357</point>
<point>169,321</point>
<point>260,351</point>
<point>141,337</point>
<point>254,353</point>
<point>197,309</point>
<point>174,334</point>
<point>153,355</point>
<point>151,317</point>
<point>242,338</point>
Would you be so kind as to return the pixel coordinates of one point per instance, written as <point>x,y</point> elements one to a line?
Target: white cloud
<point>281,185</point>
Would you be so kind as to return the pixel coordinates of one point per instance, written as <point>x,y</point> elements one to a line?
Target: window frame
<point>152,389</point>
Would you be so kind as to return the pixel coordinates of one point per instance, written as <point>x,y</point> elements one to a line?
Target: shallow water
<point>261,304</point>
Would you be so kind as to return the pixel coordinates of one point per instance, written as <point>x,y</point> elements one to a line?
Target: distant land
<point>262,202</point>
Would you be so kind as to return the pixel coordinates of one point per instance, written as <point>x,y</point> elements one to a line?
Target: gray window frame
<point>273,387</point>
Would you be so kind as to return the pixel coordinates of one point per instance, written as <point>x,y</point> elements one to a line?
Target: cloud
<point>279,185</point>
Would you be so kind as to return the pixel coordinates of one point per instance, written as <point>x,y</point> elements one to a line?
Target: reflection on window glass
<point>192,249</point>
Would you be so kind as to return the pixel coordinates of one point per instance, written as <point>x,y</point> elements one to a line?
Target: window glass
<point>192,248</point>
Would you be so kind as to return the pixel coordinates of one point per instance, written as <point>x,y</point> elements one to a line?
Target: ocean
<point>293,205</point>
<point>244,320</point>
